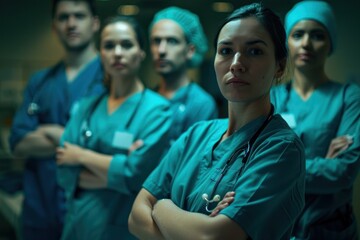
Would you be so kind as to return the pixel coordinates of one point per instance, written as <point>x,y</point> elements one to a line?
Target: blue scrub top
<point>103,213</point>
<point>270,186</point>
<point>332,110</point>
<point>190,105</point>
<point>44,202</point>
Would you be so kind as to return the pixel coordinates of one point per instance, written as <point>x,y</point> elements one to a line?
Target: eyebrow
<point>247,43</point>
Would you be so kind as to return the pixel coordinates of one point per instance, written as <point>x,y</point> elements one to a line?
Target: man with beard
<point>48,99</point>
<point>177,43</point>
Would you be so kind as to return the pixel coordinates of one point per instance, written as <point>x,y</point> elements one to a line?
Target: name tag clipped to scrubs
<point>123,140</point>
<point>289,119</point>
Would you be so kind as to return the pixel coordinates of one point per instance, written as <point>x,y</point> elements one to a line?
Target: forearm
<point>141,223</point>
<point>96,162</point>
<point>34,144</point>
<point>53,132</point>
<point>169,217</point>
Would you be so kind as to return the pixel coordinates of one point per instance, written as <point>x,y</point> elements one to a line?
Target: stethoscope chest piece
<point>87,134</point>
<point>33,108</point>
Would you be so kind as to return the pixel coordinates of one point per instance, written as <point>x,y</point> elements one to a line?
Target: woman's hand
<point>70,154</point>
<point>338,145</point>
<point>225,202</point>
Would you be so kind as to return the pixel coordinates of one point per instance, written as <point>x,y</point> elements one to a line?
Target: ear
<point>190,51</point>
<point>96,23</point>
<point>142,55</point>
<point>280,68</point>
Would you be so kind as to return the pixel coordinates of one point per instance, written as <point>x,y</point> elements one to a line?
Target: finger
<point>137,144</point>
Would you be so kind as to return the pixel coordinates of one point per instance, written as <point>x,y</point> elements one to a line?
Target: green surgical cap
<point>190,24</point>
<point>313,10</point>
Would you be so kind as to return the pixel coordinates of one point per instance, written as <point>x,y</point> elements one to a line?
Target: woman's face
<point>309,45</point>
<point>245,62</point>
<point>120,51</point>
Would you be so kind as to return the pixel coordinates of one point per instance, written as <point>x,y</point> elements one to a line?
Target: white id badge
<point>123,140</point>
<point>289,118</point>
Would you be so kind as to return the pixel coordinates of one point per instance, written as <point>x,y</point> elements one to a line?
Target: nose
<point>117,50</point>
<point>71,21</point>
<point>237,64</point>
<point>162,47</point>
<point>306,41</point>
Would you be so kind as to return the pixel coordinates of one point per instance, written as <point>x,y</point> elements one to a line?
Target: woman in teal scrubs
<point>102,162</point>
<point>326,116</point>
<point>253,153</point>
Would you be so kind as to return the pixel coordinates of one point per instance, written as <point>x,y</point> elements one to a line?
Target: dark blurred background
<point>27,44</point>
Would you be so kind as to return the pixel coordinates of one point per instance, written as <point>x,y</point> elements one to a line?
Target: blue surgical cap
<point>313,10</point>
<point>190,24</point>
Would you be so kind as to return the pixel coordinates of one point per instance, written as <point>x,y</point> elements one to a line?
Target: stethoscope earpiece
<point>216,198</point>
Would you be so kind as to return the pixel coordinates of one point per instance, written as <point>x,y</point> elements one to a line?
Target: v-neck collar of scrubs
<point>237,139</point>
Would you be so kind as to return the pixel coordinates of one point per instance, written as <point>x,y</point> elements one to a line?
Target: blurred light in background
<point>222,7</point>
<point>128,10</point>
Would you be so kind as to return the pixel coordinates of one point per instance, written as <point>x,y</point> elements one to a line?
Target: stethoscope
<point>86,132</point>
<point>34,107</point>
<point>244,151</point>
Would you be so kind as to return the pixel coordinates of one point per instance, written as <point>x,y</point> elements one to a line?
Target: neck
<point>77,59</point>
<point>121,88</point>
<point>241,114</point>
<point>305,82</point>
<point>171,83</point>
<point>120,91</point>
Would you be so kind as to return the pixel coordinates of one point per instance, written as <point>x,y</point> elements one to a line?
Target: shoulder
<point>279,130</point>
<point>199,92</point>
<point>155,99</point>
<point>207,127</point>
<point>44,74</point>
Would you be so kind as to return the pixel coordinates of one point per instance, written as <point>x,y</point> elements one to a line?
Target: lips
<point>237,81</point>
<point>305,56</point>
<point>118,65</point>
<point>162,63</point>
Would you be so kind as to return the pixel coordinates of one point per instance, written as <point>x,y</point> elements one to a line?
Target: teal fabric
<point>270,187</point>
<point>43,208</point>
<point>103,213</point>
<point>189,105</point>
<point>332,110</point>
<point>319,11</point>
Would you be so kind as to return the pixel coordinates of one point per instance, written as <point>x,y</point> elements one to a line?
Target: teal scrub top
<point>332,110</point>
<point>43,206</point>
<point>103,213</point>
<point>269,192</point>
<point>190,105</point>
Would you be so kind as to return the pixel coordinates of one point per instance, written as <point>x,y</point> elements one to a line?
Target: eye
<point>318,36</point>
<point>224,51</point>
<point>255,51</point>
<point>172,41</point>
<point>62,17</point>
<point>156,41</point>
<point>108,45</point>
<point>80,16</point>
<point>297,35</point>
<point>127,44</point>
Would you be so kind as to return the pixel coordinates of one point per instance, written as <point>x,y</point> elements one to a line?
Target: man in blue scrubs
<point>177,42</point>
<point>40,120</point>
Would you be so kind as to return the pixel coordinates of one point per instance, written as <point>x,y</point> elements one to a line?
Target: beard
<point>77,48</point>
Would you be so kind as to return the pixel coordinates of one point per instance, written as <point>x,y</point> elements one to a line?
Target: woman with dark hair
<point>101,163</point>
<point>253,153</point>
